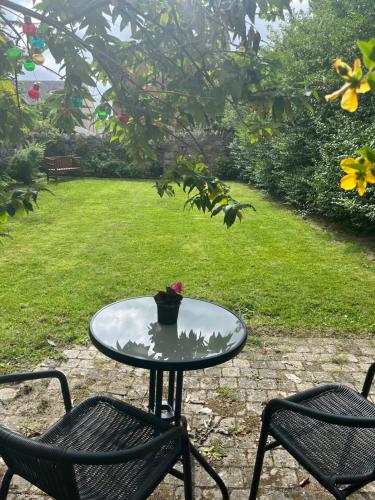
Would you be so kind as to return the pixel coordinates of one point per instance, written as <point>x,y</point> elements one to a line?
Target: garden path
<point>223,405</point>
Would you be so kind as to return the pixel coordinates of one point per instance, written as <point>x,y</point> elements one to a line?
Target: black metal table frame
<point>170,409</point>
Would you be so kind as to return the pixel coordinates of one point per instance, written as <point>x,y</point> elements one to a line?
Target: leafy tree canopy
<point>168,66</point>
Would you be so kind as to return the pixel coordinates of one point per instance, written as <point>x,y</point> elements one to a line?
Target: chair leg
<point>188,477</point>
<point>206,466</point>
<point>211,471</point>
<point>259,462</point>
<point>5,484</point>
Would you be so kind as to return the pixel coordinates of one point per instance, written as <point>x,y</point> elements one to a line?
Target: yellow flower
<point>344,70</point>
<point>355,85</point>
<point>360,171</point>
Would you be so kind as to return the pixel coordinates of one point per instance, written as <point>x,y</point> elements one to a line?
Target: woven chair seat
<point>103,424</point>
<point>343,454</point>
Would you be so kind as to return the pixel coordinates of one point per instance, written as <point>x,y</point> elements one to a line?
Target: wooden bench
<point>58,166</point>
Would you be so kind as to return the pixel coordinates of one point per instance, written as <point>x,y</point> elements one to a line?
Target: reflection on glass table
<point>205,334</point>
<point>171,345</point>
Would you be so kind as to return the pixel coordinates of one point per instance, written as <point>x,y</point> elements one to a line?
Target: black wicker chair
<point>102,449</point>
<point>329,430</point>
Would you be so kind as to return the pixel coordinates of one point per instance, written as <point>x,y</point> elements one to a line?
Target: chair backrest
<point>39,464</point>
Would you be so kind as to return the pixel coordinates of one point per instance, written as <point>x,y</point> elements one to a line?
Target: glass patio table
<point>205,335</point>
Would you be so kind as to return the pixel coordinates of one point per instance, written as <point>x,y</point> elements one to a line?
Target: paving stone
<point>229,422</point>
<point>7,394</point>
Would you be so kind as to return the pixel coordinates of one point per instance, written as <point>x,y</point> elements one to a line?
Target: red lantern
<point>34,92</point>
<point>124,119</point>
<point>28,27</point>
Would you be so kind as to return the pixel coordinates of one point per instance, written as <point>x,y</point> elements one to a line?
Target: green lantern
<point>77,101</point>
<point>29,65</point>
<point>14,53</point>
<point>102,114</point>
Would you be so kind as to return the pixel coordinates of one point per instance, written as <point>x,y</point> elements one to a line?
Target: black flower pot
<point>168,313</point>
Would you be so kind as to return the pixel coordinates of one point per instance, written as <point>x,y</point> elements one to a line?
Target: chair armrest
<point>368,380</point>
<point>329,418</point>
<point>21,377</point>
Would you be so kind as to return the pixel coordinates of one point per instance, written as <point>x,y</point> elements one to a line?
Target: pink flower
<point>177,287</point>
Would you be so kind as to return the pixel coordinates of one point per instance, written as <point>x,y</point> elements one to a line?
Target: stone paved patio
<point>223,405</point>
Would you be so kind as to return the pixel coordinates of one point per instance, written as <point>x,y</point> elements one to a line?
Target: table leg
<point>178,401</point>
<point>159,393</point>
<point>173,407</point>
<point>171,389</point>
<point>151,391</point>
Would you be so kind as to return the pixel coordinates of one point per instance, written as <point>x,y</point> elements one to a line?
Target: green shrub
<point>300,163</point>
<point>118,168</point>
<point>57,146</point>
<point>129,170</point>
<point>153,170</point>
<point>25,164</point>
<point>301,166</point>
<point>5,159</point>
<point>225,168</point>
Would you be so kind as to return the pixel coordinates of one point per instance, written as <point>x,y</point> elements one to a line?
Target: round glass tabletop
<point>205,334</point>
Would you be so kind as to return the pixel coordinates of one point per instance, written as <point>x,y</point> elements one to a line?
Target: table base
<point>170,409</point>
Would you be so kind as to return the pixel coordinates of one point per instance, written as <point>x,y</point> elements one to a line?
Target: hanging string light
<point>37,42</point>
<point>34,92</point>
<point>29,65</point>
<point>38,59</point>
<point>102,114</point>
<point>123,118</point>
<point>28,27</point>
<point>77,101</point>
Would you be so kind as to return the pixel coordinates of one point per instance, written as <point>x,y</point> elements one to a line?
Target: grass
<point>226,393</point>
<point>97,241</point>
<point>339,360</point>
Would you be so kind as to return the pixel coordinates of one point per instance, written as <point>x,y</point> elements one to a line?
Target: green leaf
<point>18,207</point>
<point>371,81</point>
<point>3,215</point>
<point>230,215</point>
<point>217,210</point>
<point>368,52</point>
<point>164,18</point>
<point>368,153</point>
<point>278,108</point>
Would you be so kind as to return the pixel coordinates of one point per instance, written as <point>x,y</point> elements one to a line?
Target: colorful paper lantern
<point>77,101</point>
<point>38,59</point>
<point>14,53</point>
<point>102,114</point>
<point>34,92</point>
<point>28,27</point>
<point>29,65</point>
<point>38,43</point>
<point>123,118</point>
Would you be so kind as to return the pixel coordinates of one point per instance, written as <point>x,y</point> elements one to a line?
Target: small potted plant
<point>168,303</point>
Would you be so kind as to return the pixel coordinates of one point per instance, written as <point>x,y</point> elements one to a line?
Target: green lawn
<point>97,241</point>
